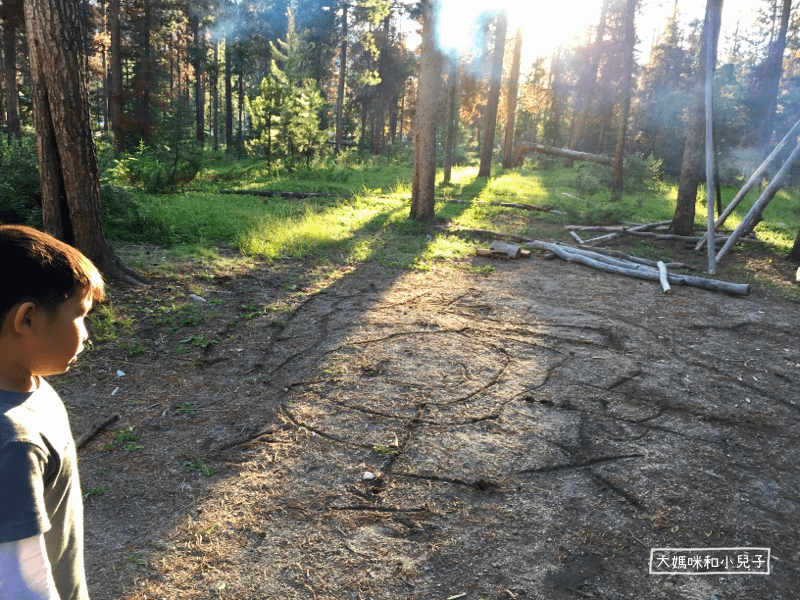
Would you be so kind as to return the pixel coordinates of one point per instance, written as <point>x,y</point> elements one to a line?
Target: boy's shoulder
<point>36,417</point>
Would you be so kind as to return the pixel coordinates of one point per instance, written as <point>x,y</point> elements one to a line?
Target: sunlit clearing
<point>274,236</point>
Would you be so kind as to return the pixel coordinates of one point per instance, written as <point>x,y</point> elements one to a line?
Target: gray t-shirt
<point>40,490</point>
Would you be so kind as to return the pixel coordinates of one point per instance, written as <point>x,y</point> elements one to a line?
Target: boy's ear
<point>23,318</point>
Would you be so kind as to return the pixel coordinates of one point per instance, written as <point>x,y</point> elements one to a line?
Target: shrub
<point>20,189</point>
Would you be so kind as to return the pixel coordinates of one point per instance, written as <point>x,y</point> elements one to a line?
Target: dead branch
<point>684,238</point>
<point>611,265</point>
<point>82,440</point>
<point>485,232</point>
<point>616,234</point>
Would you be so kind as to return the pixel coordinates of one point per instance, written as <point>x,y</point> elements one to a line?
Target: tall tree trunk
<point>794,255</point>
<point>383,90</point>
<point>452,102</point>
<point>106,75</point>
<point>622,126</point>
<point>555,103</point>
<point>424,180</point>
<point>228,95</point>
<point>215,98</point>
<point>240,128</point>
<point>342,76</point>
<point>117,99</point>
<point>147,84</point>
<point>513,89</point>
<point>10,24</point>
<point>490,122</point>
<point>692,167</point>
<point>588,86</point>
<point>199,64</point>
<point>64,142</point>
<point>770,82</point>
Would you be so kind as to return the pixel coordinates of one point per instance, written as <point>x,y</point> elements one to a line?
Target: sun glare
<point>544,27</point>
<point>547,26</point>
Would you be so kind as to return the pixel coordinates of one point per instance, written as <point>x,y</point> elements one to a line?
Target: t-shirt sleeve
<point>22,509</point>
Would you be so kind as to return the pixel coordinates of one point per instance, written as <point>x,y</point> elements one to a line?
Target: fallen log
<point>675,266</point>
<point>522,205</point>
<point>610,265</point>
<point>524,147</point>
<point>512,250</point>
<point>290,195</point>
<point>486,232</point>
<point>488,253</point>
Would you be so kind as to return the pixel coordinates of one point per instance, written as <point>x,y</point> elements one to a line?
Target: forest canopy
<point>290,81</point>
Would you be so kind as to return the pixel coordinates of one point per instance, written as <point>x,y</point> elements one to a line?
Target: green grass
<point>367,216</point>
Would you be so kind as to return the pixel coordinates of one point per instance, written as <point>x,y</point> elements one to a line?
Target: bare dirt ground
<point>532,432</point>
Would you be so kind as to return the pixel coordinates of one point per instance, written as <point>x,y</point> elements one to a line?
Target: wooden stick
<point>664,278</point>
<point>576,237</point>
<point>611,236</point>
<point>81,441</point>
<point>603,263</point>
<point>684,238</point>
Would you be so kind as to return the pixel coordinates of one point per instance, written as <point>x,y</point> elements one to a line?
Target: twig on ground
<point>82,440</point>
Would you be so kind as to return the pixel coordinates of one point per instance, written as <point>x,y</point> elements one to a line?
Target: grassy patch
<point>364,215</point>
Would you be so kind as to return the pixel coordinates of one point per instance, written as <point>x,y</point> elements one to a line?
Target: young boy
<point>48,288</point>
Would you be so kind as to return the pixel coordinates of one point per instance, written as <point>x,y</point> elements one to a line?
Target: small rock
<point>368,476</point>
<point>120,373</point>
<point>198,298</point>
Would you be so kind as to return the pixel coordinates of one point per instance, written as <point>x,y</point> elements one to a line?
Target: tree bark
<point>424,180</point>
<point>622,127</point>
<point>65,145</point>
<point>513,89</point>
<point>342,77</point>
<point>490,119</point>
<point>692,167</point>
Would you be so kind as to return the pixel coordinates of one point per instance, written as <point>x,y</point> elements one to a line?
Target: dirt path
<point>532,433</point>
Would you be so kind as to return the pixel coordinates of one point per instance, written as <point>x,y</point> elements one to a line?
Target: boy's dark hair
<point>38,268</point>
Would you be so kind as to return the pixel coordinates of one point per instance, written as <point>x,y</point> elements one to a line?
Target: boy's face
<point>60,336</point>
